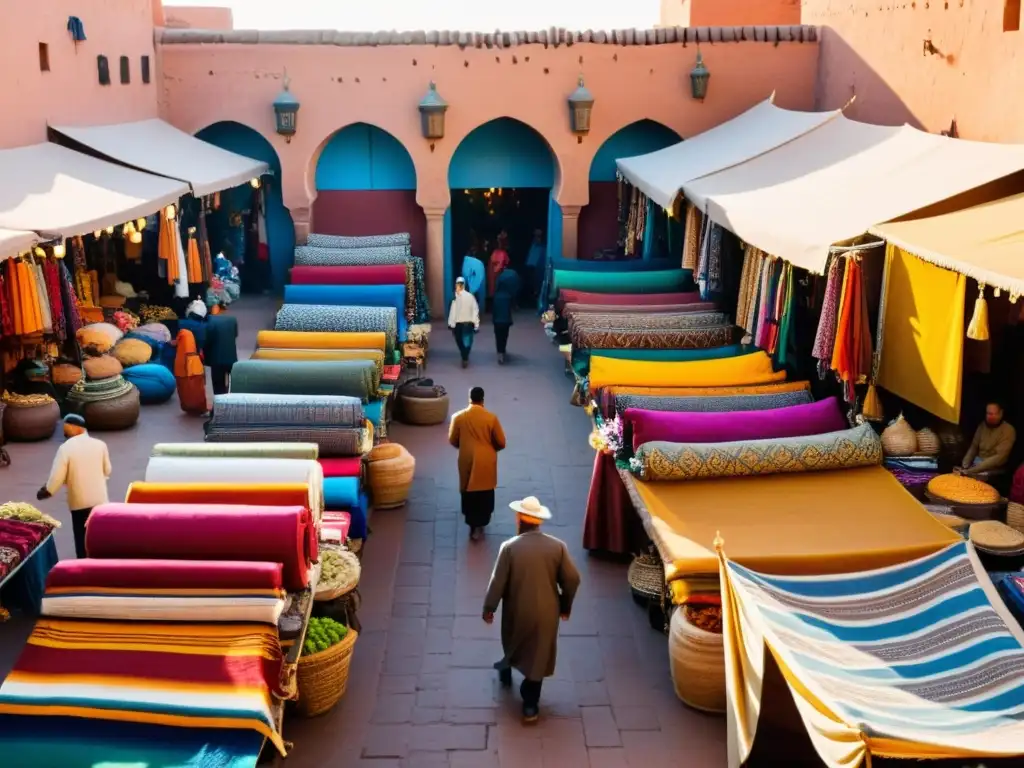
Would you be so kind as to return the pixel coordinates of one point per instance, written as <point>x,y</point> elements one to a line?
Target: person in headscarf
<point>535,582</point>
<point>474,273</point>
<point>536,262</point>
<point>506,289</point>
<point>190,374</point>
<point>464,319</point>
<point>498,261</point>
<point>82,464</point>
<point>478,435</point>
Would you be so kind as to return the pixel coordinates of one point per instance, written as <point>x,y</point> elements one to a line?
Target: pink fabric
<point>376,274</point>
<point>793,421</point>
<point>567,296</point>
<point>338,521</point>
<point>164,574</point>
<point>344,467</point>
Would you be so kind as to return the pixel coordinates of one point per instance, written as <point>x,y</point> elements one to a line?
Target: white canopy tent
<point>661,175</point>
<point>160,148</point>
<point>13,242</point>
<point>47,188</point>
<point>836,182</point>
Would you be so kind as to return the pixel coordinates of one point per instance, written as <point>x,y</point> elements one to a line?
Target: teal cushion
<point>154,382</point>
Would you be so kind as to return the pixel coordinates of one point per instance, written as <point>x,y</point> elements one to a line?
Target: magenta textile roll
<point>203,532</point>
<point>164,574</point>
<point>734,426</point>
<point>377,274</point>
<point>570,296</point>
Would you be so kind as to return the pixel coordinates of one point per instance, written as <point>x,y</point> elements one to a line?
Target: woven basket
<point>996,537</point>
<point>337,590</point>
<point>697,661</point>
<point>390,479</point>
<point>323,677</point>
<point>928,442</point>
<point>423,411</point>
<point>1015,516</point>
<point>646,577</point>
<point>899,438</point>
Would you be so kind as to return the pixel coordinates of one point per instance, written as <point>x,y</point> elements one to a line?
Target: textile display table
<point>22,589</point>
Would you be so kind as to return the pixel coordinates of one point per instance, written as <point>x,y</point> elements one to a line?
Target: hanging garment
<point>39,280</point>
<point>691,236</point>
<point>189,374</point>
<point>168,248</point>
<point>51,276</point>
<point>263,244</point>
<point>72,317</point>
<point>181,278</point>
<point>193,261</point>
<point>825,338</point>
<point>204,249</point>
<point>787,324</point>
<point>851,355</point>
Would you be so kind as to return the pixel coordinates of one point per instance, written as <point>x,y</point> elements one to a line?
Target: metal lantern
<point>699,77</point>
<point>432,109</point>
<point>581,104</point>
<point>286,111</point>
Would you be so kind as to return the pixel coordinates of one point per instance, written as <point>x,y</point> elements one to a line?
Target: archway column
<point>435,258</point>
<point>570,230</point>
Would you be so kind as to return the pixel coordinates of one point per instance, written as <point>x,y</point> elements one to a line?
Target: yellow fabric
<point>864,519</point>
<point>922,346</point>
<point>319,340</point>
<point>319,354</point>
<point>755,368</point>
<point>751,389</point>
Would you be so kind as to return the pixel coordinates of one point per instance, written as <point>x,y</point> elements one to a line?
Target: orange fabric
<point>193,262</point>
<point>265,494</point>
<point>168,248</point>
<point>851,355</point>
<point>186,359</point>
<point>28,316</point>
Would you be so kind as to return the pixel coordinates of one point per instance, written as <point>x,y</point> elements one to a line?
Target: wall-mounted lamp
<point>432,112</point>
<point>581,107</point>
<point>286,111</point>
<point>699,77</point>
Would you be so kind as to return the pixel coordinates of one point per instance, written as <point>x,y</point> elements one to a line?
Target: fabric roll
<point>240,450</point>
<point>662,281</point>
<point>320,318</point>
<point>357,241</point>
<point>581,357</point>
<point>687,338</point>
<point>696,427</point>
<point>319,256</point>
<point>374,411</point>
<point>384,274</point>
<point>347,378</point>
<point>374,355</point>
<point>350,467</point>
<point>672,321</point>
<point>164,574</point>
<point>617,265</point>
<point>712,403</point>
<point>341,492</point>
<point>846,449</point>
<point>572,296</point>
<point>753,368</point>
<point>637,309</point>
<point>204,532</point>
<point>311,340</point>
<point>286,410</point>
<point>331,441</point>
<point>352,296</point>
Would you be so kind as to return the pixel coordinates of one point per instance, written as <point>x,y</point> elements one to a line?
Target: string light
<point>254,183</point>
<point>110,230</point>
<point>170,212</point>
<point>128,228</point>
<point>39,251</point>
<point>140,224</point>
<point>97,234</point>
<point>135,237</point>
<point>58,250</point>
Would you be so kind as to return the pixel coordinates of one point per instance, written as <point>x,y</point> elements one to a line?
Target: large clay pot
<point>32,423</point>
<point>117,413</point>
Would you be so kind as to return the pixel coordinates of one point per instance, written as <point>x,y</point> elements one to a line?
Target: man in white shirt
<point>83,465</point>
<point>464,319</point>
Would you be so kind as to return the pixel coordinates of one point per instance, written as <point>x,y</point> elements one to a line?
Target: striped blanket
<point>186,675</point>
<point>917,660</point>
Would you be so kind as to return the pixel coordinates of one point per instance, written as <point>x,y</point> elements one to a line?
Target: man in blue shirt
<point>536,262</point>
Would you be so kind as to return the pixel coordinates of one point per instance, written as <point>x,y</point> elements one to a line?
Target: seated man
<point>992,444</point>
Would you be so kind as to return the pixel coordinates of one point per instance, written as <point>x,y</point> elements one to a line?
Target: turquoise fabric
<point>660,281</point>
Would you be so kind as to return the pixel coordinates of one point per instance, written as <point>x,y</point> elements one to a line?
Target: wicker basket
<point>323,677</point>
<point>423,411</point>
<point>928,442</point>
<point>390,478</point>
<point>899,438</point>
<point>697,661</point>
<point>1015,516</point>
<point>646,578</point>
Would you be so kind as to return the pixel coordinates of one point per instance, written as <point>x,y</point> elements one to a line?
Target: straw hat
<point>531,507</point>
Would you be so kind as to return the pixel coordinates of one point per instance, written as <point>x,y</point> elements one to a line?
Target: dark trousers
<point>221,376</point>
<point>530,691</point>
<point>463,333</point>
<point>79,517</point>
<point>501,336</point>
<point>477,508</point>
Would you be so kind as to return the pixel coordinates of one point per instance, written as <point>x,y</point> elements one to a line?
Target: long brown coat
<point>477,434</point>
<point>536,580</point>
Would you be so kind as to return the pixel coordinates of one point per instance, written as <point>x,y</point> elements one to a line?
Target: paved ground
<point>422,692</point>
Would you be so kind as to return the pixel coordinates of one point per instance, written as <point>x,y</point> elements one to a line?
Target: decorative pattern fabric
<point>692,338</point>
<point>18,540</point>
<point>357,241</point>
<point>316,256</point>
<point>825,338</point>
<point>571,296</point>
<point>753,368</point>
<point>912,661</point>
<point>857,447</point>
<point>646,308</point>
<point>85,392</point>
<point>315,317</point>
<point>627,322</point>
<point>331,441</point>
<point>384,274</point>
<point>149,672</point>
<point>261,410</point>
<point>303,340</point>
<point>347,378</point>
<point>691,237</point>
<point>712,403</point>
<point>353,296</point>
<point>268,451</point>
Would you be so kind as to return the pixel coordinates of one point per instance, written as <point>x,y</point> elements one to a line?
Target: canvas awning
<point>50,189</point>
<point>13,242</point>
<point>838,181</point>
<point>984,242</point>
<point>661,175</point>
<point>158,147</point>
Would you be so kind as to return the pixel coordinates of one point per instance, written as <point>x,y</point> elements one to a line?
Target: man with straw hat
<point>535,580</point>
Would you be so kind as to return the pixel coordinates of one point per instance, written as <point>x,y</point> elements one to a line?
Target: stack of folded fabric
<point>912,471</point>
<point>324,318</point>
<point>349,378</point>
<point>345,495</point>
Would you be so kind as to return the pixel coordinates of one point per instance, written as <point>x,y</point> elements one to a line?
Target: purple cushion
<point>793,421</point>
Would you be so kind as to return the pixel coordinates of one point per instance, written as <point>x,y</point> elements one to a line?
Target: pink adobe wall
<point>70,92</point>
<point>198,17</point>
<point>876,51</point>
<point>712,13</point>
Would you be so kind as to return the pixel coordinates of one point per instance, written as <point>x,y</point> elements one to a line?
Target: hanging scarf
<point>6,318</point>
<point>825,338</point>
<point>777,292</point>
<point>786,324</point>
<point>167,250</point>
<point>78,252</point>
<point>691,236</point>
<point>72,318</point>
<point>204,249</point>
<point>631,222</point>
<point>263,246</point>
<point>51,277</point>
<point>714,275</point>
<point>851,356</point>
<point>193,262</point>
<point>701,275</point>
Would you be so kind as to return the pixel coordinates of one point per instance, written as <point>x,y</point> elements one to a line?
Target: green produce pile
<point>26,513</point>
<point>338,567</point>
<point>322,633</point>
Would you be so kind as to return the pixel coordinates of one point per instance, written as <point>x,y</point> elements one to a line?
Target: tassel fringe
<point>872,410</point>
<point>977,330</point>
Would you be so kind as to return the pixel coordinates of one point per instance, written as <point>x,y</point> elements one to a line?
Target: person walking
<point>497,262</point>
<point>475,272</point>
<point>478,435</point>
<point>535,582</point>
<point>536,264</point>
<point>82,464</point>
<point>506,289</point>
<point>464,319</point>
<point>221,350</point>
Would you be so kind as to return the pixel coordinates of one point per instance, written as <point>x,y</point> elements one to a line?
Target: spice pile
<point>26,513</point>
<point>323,633</point>
<point>706,617</point>
<point>338,569</point>
<point>25,401</point>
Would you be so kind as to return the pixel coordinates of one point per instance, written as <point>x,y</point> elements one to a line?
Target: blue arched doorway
<point>366,185</point>
<point>598,227</point>
<point>501,177</point>
<point>280,229</point>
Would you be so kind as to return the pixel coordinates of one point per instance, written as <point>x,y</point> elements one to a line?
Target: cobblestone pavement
<point>422,693</point>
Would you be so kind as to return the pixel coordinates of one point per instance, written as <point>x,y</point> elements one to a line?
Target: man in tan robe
<point>992,445</point>
<point>535,580</point>
<point>478,435</point>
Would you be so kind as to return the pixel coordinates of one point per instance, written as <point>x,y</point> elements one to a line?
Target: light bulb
<point>110,230</point>
<point>140,224</point>
<point>97,234</point>
<point>38,251</point>
<point>135,237</point>
<point>58,250</point>
<point>170,212</point>
<point>255,183</point>
<point>128,228</point>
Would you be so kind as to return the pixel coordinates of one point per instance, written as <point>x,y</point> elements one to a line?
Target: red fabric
<point>204,532</point>
<point>342,467</point>
<point>391,373</point>
<point>379,274</point>
<point>1017,489</point>
<point>338,521</point>
<point>611,523</point>
<point>569,296</point>
<point>164,574</point>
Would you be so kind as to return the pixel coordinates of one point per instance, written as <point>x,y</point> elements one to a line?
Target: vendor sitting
<point>993,442</point>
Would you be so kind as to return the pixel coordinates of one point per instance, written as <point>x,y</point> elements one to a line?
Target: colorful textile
<point>204,532</point>
<point>764,521</point>
<point>331,441</point>
<point>686,338</point>
<point>18,540</point>
<point>661,461</point>
<point>825,338</point>
<point>185,675</point>
<point>1011,587</point>
<point>345,378</point>
<point>375,355</point>
<point>851,354</point>
<point>351,467</point>
<point>749,389</point>
<point>311,340</point>
<point>638,309</point>
<point>271,451</point>
<point>165,590</point>
<point>384,274</point>
<point>341,492</point>
<point>292,410</point>
<point>358,241</point>
<point>189,373</point>
<point>570,296</point>
<point>922,358</point>
<point>753,368</point>
<point>696,427</point>
<point>916,660</point>
<point>351,296</point>
<point>692,226</point>
<point>580,324</point>
<point>712,403</point>
<point>318,256</point>
<point>581,357</point>
<point>321,318</point>
<point>662,281</point>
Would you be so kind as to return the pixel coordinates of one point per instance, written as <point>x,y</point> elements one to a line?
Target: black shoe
<point>501,358</point>
<point>465,363</point>
<point>530,714</point>
<point>505,677</point>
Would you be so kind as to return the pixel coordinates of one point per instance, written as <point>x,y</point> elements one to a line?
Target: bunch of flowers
<point>126,320</point>
<point>607,436</point>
